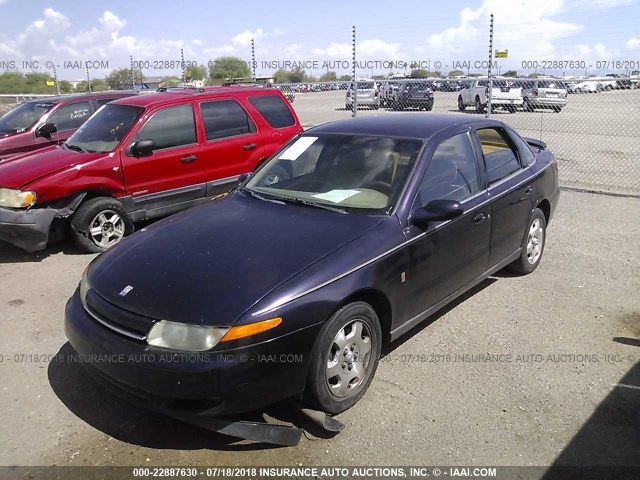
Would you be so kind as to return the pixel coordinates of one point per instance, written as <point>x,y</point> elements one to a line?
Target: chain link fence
<point>595,135</point>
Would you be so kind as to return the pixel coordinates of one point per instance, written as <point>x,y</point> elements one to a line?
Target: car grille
<point>119,320</point>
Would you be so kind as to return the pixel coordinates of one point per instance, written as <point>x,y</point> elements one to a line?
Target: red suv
<point>48,121</point>
<point>139,158</point>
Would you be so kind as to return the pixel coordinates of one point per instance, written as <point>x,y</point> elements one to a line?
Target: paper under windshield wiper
<point>311,203</point>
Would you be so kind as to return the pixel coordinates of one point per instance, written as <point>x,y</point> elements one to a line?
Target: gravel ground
<point>559,343</point>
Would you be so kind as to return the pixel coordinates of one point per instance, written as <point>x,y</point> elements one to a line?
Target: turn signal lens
<point>242,331</point>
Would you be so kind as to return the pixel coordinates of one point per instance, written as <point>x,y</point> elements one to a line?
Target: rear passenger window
<point>225,118</point>
<point>70,117</point>
<point>171,127</point>
<point>102,101</point>
<point>499,157</point>
<point>526,155</point>
<point>274,110</point>
<point>452,173</point>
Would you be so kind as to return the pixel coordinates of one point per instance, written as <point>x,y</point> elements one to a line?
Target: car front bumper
<point>27,229</point>
<point>206,383</point>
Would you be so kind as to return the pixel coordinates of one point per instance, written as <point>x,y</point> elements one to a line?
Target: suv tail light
<point>535,92</point>
<point>376,94</point>
<point>348,93</point>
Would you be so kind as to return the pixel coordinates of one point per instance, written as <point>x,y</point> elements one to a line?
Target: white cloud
<point>244,38</point>
<point>633,43</point>
<point>335,50</point>
<point>197,42</point>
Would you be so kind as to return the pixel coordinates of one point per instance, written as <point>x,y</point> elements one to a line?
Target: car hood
<point>213,263</point>
<point>20,170</point>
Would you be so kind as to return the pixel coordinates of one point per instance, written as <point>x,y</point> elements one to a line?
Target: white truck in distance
<point>505,94</point>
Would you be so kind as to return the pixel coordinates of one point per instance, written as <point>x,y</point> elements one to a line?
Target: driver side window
<point>452,173</point>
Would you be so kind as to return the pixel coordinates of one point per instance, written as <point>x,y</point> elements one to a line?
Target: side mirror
<point>142,148</point>
<point>436,210</point>
<point>243,178</point>
<point>46,130</point>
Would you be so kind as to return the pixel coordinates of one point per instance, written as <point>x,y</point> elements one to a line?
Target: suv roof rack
<point>181,89</point>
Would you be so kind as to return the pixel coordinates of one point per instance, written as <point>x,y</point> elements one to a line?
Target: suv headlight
<point>16,198</point>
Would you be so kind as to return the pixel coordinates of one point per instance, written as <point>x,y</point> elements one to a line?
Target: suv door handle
<point>189,159</point>
<point>249,146</point>
<point>479,218</point>
<point>528,190</point>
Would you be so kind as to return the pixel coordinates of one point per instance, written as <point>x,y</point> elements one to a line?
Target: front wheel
<point>532,244</point>
<point>461,105</point>
<point>99,223</point>
<point>478,105</point>
<point>344,358</point>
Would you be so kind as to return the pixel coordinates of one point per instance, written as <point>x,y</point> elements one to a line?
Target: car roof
<point>402,125</point>
<point>177,95</point>
<point>79,96</point>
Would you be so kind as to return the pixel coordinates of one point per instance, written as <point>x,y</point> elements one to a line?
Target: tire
<point>511,109</point>
<point>557,109</point>
<point>461,105</point>
<point>275,175</point>
<point>340,372</point>
<point>106,217</point>
<point>578,90</point>
<point>532,244</point>
<point>479,107</point>
<point>348,107</point>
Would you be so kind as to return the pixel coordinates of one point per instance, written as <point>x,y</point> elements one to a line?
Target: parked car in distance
<point>388,88</point>
<point>505,93</point>
<point>139,158</point>
<point>367,93</point>
<point>587,86</point>
<point>48,121</point>
<point>413,94</point>
<point>288,92</point>
<point>386,220</point>
<point>543,93</point>
<point>450,85</point>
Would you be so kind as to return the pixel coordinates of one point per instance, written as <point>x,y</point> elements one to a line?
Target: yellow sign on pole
<point>502,53</point>
<point>50,83</point>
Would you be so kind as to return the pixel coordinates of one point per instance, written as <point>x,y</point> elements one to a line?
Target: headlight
<point>85,286</point>
<point>16,198</point>
<point>180,336</point>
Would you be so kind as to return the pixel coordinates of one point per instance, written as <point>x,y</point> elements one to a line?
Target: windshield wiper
<point>310,203</point>
<point>260,197</point>
<point>76,148</point>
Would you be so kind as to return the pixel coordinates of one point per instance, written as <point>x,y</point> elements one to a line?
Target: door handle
<point>249,146</point>
<point>479,218</point>
<point>189,159</point>
<point>528,190</point>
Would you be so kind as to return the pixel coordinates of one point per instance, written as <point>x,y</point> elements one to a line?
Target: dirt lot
<point>559,343</point>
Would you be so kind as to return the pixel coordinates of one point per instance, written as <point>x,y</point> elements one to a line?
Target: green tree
<point>97,85</point>
<point>12,82</point>
<point>120,79</point>
<point>65,87</point>
<point>455,73</point>
<point>329,77</point>
<point>534,75</point>
<point>510,73</point>
<point>298,75</point>
<point>196,73</point>
<point>345,78</point>
<point>282,76</point>
<point>422,73</point>
<point>36,82</point>
<point>171,81</point>
<point>228,68</point>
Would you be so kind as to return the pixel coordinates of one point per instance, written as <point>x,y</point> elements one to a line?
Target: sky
<point>594,36</point>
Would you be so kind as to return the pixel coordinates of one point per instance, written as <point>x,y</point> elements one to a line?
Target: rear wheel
<point>99,223</point>
<point>344,358</point>
<point>478,105</point>
<point>461,105</point>
<point>276,174</point>
<point>532,244</point>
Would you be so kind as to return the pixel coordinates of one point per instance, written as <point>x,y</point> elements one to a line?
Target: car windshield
<point>363,174</point>
<point>106,128</point>
<point>24,116</point>
<point>366,86</point>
